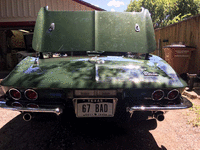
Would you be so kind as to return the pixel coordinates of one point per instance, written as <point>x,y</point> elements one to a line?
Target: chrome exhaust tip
<point>159,116</point>
<point>27,117</point>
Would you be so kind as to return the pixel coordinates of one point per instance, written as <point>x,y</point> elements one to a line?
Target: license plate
<point>90,107</point>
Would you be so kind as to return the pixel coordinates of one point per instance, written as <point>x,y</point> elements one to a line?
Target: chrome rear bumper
<point>56,110</point>
<point>185,103</point>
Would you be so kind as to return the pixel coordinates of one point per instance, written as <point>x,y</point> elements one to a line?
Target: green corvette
<point>95,64</point>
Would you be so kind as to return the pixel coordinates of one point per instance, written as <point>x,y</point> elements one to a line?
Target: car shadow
<point>47,132</point>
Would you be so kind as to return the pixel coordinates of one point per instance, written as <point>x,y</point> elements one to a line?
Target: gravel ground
<point>175,133</point>
<point>46,132</point>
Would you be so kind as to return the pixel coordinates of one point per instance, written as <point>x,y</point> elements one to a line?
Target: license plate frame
<point>87,107</point>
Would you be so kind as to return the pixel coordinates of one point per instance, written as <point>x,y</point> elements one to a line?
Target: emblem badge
<point>150,73</point>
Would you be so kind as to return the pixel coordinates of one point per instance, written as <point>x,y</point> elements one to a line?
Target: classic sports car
<point>96,64</point>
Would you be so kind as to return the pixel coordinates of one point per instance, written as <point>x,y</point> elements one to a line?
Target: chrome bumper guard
<point>57,110</point>
<point>185,103</point>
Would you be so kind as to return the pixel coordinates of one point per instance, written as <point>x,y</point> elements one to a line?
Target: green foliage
<point>165,12</point>
<point>178,18</point>
<point>196,121</point>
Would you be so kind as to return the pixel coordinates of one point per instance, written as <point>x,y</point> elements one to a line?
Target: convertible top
<point>62,31</point>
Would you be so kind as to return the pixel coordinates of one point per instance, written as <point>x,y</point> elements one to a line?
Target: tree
<point>165,12</point>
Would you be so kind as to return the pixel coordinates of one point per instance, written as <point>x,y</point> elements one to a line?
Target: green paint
<point>94,31</point>
<point>72,32</point>
<point>80,73</point>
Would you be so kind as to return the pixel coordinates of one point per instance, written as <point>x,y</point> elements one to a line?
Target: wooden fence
<point>186,32</point>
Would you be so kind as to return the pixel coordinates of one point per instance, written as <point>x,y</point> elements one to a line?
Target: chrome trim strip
<point>29,98</point>
<point>96,73</point>
<point>85,93</point>
<point>185,103</point>
<point>12,96</point>
<point>57,110</point>
<point>170,92</point>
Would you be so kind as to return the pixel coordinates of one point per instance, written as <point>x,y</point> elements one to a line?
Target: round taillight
<point>157,95</point>
<point>16,104</point>
<point>173,94</point>
<point>32,106</point>
<point>31,94</point>
<point>15,94</point>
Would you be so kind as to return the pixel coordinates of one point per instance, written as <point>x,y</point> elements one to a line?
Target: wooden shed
<point>17,21</point>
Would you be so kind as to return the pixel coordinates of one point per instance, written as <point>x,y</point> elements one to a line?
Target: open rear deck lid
<point>61,31</point>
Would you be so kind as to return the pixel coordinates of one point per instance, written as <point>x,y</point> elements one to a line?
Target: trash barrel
<point>178,56</point>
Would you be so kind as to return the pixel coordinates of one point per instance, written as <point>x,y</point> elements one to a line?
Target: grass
<point>196,121</point>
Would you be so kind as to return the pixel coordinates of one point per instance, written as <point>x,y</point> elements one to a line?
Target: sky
<point>110,5</point>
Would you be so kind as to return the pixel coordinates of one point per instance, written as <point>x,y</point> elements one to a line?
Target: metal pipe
<point>159,116</point>
<point>27,117</point>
